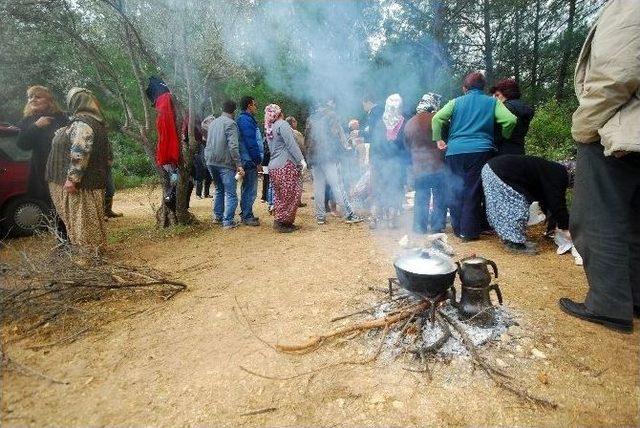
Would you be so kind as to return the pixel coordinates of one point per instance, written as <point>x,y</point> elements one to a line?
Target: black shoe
<point>636,311</point>
<point>284,228</point>
<point>253,221</point>
<point>469,238</point>
<point>528,248</point>
<point>579,310</point>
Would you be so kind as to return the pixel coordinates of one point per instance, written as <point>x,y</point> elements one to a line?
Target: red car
<point>19,214</point>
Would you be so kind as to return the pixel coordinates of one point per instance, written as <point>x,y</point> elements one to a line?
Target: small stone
<point>519,350</point>
<point>397,404</point>
<point>543,378</point>
<point>516,331</point>
<point>538,354</point>
<point>340,402</point>
<point>376,398</point>
<point>501,363</point>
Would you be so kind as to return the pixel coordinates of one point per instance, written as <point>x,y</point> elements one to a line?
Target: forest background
<point>292,53</point>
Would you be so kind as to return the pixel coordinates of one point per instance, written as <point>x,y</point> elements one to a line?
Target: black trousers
<point>204,184</point>
<point>605,226</point>
<point>465,195</point>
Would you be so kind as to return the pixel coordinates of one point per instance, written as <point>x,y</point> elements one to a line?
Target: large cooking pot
<point>425,273</point>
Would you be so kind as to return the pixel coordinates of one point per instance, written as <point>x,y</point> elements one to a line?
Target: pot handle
<point>494,266</point>
<point>495,288</point>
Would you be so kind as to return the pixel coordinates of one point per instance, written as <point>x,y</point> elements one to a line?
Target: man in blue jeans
<point>326,143</point>
<point>223,161</point>
<point>251,157</point>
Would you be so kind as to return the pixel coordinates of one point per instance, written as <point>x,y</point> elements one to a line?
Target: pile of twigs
<point>52,285</point>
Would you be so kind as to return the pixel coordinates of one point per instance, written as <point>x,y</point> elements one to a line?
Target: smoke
<point>315,50</point>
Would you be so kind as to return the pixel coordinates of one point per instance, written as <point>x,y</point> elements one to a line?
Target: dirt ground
<point>179,362</point>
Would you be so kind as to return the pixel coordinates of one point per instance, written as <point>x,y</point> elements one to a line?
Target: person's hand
<point>620,153</point>
<point>303,165</point>
<point>441,145</point>
<point>240,171</point>
<point>43,121</point>
<point>70,186</point>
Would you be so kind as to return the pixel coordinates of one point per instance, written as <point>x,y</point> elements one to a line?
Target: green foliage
<point>258,88</point>
<point>131,166</point>
<point>550,132</point>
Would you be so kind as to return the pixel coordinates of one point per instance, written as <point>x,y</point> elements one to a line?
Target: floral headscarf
<point>392,116</point>
<point>271,113</point>
<point>430,102</point>
<point>81,101</point>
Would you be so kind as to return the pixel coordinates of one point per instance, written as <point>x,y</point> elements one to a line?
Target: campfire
<point>421,321</point>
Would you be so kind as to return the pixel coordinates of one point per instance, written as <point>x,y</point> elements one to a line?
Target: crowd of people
<point>465,159</point>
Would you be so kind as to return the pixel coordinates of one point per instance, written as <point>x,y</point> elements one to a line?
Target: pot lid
<point>425,263</point>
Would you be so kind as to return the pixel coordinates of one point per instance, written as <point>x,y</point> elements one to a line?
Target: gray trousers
<point>323,174</point>
<point>605,227</point>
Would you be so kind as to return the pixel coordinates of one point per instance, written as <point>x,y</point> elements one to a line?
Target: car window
<point>10,149</point>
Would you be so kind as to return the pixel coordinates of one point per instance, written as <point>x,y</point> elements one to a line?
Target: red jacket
<point>168,147</point>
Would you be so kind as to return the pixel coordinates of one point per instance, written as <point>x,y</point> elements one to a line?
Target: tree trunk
<point>567,50</point>
<point>516,42</point>
<point>488,42</point>
<point>536,54</point>
<point>187,145</point>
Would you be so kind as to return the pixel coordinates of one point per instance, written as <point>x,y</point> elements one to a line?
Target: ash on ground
<point>438,339</point>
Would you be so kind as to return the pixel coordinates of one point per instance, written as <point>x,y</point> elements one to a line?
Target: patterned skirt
<point>83,215</point>
<point>507,210</point>
<point>287,192</point>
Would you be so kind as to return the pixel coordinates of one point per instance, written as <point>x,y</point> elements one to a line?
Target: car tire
<point>23,216</point>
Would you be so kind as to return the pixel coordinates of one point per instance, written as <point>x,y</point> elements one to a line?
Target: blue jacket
<point>250,152</point>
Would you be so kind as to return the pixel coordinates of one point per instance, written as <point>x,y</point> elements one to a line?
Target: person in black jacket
<point>42,117</point>
<point>511,183</point>
<point>508,92</point>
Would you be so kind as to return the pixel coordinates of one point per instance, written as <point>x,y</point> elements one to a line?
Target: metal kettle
<point>473,271</point>
<point>475,300</point>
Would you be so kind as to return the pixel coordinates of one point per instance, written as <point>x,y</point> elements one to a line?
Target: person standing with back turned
<point>472,120</point>
<point>605,216</point>
<point>251,156</point>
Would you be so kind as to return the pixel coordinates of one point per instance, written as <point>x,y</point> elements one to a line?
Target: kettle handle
<point>495,288</point>
<point>494,266</point>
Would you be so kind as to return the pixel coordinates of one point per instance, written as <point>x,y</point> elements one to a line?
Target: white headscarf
<point>430,102</point>
<point>392,116</point>
<point>392,111</point>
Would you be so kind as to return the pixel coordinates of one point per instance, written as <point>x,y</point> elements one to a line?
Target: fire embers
<point>450,334</point>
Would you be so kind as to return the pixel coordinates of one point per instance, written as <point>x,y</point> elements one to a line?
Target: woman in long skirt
<point>285,168</point>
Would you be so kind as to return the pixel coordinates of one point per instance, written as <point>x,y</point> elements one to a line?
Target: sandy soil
<point>179,363</point>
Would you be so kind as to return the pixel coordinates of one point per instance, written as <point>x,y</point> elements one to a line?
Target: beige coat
<point>607,80</point>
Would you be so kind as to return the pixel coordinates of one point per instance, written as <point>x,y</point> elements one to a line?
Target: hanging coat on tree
<point>168,147</point>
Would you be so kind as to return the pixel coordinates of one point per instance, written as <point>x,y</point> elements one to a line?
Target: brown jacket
<point>425,156</point>
<point>607,80</point>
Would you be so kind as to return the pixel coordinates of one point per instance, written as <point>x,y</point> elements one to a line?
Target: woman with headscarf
<point>42,117</point>
<point>77,172</point>
<point>285,168</point>
<point>428,167</point>
<point>387,165</point>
